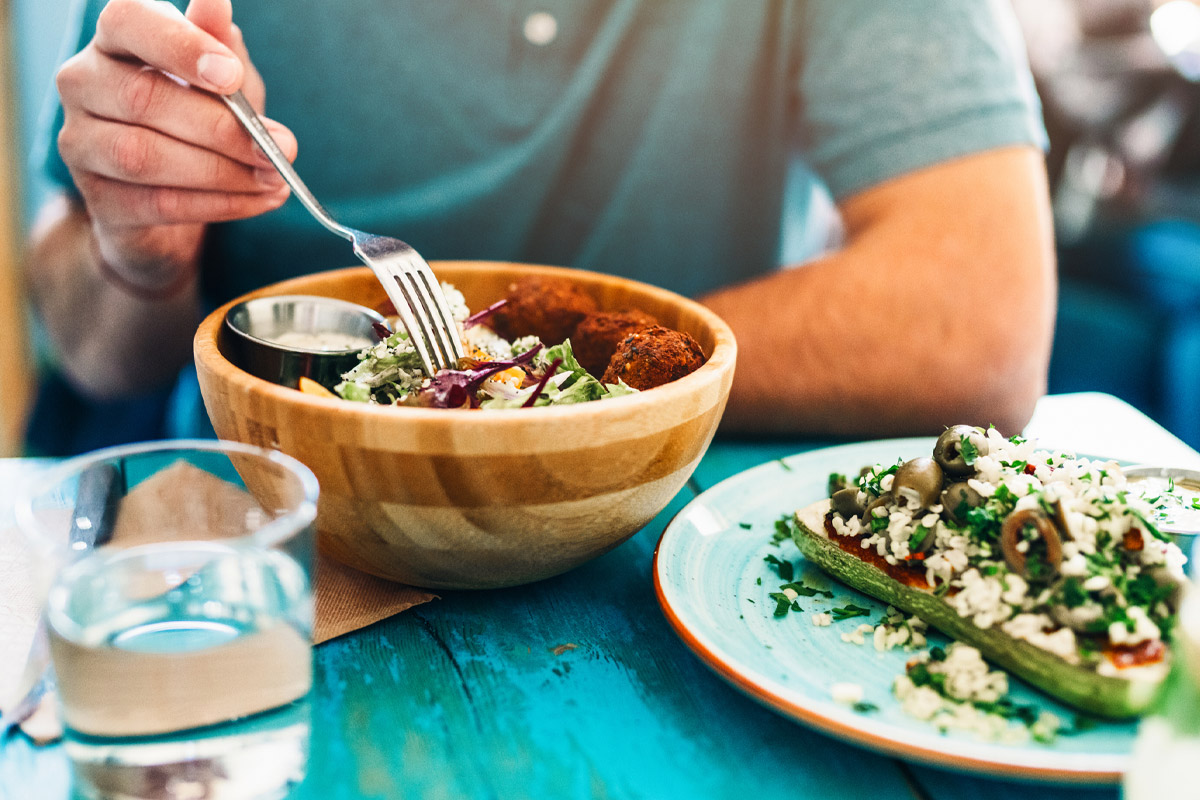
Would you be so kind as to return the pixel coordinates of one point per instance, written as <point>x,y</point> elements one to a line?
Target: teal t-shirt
<point>646,138</point>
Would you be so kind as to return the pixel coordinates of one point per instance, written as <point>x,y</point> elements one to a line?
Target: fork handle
<point>253,124</point>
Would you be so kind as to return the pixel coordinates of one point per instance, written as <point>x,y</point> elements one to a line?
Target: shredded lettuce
<point>570,384</point>
<point>390,372</point>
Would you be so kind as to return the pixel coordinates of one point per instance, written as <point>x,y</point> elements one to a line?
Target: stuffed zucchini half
<point>1051,565</point>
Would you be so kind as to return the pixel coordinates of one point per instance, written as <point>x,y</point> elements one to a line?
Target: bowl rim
<point>715,369</point>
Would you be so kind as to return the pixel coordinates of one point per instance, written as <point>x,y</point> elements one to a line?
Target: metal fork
<point>409,282</point>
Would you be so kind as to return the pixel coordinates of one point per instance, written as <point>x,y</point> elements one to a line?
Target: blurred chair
<point>61,421</point>
<point>1123,112</point>
<point>15,377</point>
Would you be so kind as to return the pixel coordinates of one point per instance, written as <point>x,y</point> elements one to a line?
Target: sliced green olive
<point>948,452</point>
<point>958,499</point>
<point>869,513</point>
<point>917,483</point>
<point>1011,535</point>
<point>1169,580</point>
<point>1081,618</point>
<point>1060,519</point>
<point>925,543</point>
<point>845,502</point>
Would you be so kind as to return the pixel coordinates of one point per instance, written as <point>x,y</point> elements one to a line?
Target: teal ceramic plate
<point>713,580</point>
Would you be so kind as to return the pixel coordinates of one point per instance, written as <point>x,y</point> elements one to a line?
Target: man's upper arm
<point>892,86</point>
<point>961,256</point>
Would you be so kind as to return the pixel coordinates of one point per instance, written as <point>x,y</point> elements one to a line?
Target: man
<point>642,137</point>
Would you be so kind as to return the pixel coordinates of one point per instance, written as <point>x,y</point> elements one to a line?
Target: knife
<point>97,500</point>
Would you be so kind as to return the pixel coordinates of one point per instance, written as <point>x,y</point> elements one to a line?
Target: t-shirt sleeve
<point>81,27</point>
<point>891,86</point>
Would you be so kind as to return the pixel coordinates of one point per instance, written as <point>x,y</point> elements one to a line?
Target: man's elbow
<point>1000,382</point>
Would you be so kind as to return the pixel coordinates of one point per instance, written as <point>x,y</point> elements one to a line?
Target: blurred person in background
<point>648,138</point>
<point>1122,107</point>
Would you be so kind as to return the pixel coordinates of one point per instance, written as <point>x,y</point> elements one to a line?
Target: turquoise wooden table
<point>473,695</point>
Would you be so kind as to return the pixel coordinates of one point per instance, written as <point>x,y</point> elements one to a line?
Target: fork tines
<point>415,292</point>
<point>438,331</point>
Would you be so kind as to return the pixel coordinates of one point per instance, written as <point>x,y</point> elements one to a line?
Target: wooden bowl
<point>475,498</point>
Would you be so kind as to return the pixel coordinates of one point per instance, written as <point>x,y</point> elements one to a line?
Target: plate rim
<point>737,675</point>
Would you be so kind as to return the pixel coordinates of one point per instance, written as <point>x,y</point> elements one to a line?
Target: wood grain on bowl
<point>455,498</point>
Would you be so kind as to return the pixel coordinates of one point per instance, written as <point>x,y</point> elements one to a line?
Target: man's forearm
<point>110,341</point>
<point>939,311</point>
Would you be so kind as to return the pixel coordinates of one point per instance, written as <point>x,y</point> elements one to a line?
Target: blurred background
<point>1120,85</point>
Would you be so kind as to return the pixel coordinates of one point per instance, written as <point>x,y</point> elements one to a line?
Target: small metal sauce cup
<point>1180,521</point>
<point>253,327</point>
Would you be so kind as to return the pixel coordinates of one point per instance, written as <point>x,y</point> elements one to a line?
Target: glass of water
<point>177,578</point>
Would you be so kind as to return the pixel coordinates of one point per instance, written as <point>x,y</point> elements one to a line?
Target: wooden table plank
<point>944,785</point>
<point>730,455</point>
<point>467,697</point>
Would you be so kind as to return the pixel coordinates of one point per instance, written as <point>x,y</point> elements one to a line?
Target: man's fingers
<point>213,16</point>
<point>155,33</point>
<point>134,154</point>
<point>122,204</point>
<point>148,98</point>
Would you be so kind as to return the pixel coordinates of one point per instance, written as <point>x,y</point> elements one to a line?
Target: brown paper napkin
<point>184,502</point>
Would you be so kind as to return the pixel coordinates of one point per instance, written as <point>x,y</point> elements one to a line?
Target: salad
<point>497,373</point>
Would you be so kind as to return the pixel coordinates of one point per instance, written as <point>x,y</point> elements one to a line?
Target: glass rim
<point>277,530</point>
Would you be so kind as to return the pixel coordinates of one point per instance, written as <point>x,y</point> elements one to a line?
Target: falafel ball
<point>597,336</point>
<point>548,308</point>
<point>654,356</point>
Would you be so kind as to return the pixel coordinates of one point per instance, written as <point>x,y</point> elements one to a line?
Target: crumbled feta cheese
<point>1038,630</point>
<point>822,620</point>
<point>917,701</point>
<point>1015,589</point>
<point>857,635</point>
<point>968,676</point>
<point>1144,628</point>
<point>980,598</point>
<point>847,693</point>
<point>967,681</point>
<point>1074,566</point>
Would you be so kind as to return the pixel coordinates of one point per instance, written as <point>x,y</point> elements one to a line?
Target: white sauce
<point>1180,514</point>
<point>324,341</point>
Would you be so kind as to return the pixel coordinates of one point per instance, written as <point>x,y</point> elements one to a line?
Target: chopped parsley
<point>1072,593</point>
<point>804,590</point>
<point>783,604</point>
<point>783,529</point>
<point>968,450</point>
<point>783,568</point>
<point>918,538</point>
<point>869,482</point>
<point>849,610</point>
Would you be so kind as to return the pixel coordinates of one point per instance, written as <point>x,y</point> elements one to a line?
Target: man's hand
<point>155,159</point>
<point>939,310</point>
